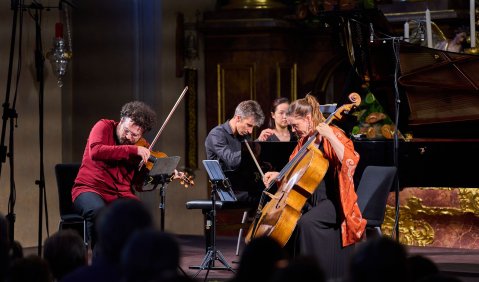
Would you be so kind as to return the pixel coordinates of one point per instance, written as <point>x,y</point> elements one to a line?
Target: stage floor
<point>460,263</point>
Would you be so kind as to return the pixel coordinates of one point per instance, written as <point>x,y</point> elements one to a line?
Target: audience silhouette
<point>64,251</point>
<point>116,223</point>
<point>300,268</point>
<point>421,267</point>
<point>259,260</point>
<point>424,269</point>
<point>152,255</point>
<point>29,269</point>
<point>132,250</point>
<point>379,259</point>
<point>4,247</point>
<point>9,251</point>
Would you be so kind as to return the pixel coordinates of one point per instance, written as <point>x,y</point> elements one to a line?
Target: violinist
<point>223,142</point>
<point>331,221</point>
<point>110,161</point>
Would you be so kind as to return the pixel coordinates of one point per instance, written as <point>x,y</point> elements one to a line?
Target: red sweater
<point>107,168</point>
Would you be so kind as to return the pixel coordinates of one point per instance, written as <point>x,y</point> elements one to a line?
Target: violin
<point>184,178</point>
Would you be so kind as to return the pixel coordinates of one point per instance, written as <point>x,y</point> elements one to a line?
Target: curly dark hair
<point>140,113</point>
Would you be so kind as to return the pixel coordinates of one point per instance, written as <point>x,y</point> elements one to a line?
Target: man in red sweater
<point>110,162</point>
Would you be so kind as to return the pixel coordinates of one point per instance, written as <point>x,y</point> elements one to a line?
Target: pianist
<point>223,143</point>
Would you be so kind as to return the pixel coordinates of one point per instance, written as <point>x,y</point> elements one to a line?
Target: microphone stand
<point>162,180</point>
<point>397,102</point>
<point>40,67</point>
<point>396,45</point>
<point>160,174</point>
<point>10,114</point>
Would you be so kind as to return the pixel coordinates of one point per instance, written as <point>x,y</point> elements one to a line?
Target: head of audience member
<point>421,267</point>
<point>4,246</point>
<point>117,222</point>
<point>260,259</point>
<point>64,251</point>
<point>248,114</point>
<point>379,259</point>
<point>439,277</point>
<point>9,250</point>
<point>151,255</point>
<point>302,268</point>
<point>279,109</point>
<point>29,269</point>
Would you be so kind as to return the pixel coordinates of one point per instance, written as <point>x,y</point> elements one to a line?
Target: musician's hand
<point>265,134</point>
<point>269,177</point>
<point>325,130</point>
<point>178,174</point>
<point>144,153</point>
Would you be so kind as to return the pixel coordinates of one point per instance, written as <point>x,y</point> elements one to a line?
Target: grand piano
<point>439,114</point>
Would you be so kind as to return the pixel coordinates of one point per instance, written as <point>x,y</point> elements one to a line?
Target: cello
<point>299,179</point>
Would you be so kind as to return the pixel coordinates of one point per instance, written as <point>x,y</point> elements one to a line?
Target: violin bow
<point>166,121</point>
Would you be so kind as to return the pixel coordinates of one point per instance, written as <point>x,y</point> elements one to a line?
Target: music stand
<point>221,185</point>
<point>160,174</point>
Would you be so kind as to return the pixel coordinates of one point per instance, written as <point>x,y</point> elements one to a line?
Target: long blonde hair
<point>304,106</point>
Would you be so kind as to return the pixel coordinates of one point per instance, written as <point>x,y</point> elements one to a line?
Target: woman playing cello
<point>331,221</point>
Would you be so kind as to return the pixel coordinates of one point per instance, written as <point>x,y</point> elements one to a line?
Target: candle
<point>406,31</point>
<point>58,30</point>
<point>428,28</point>
<point>472,17</point>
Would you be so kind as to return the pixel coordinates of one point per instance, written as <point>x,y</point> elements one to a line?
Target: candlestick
<point>406,31</point>
<point>472,17</point>
<point>428,28</point>
<point>58,30</point>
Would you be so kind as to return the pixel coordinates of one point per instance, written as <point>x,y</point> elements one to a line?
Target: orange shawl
<point>353,224</point>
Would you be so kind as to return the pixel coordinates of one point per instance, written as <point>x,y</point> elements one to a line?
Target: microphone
<point>421,32</point>
<point>371,33</point>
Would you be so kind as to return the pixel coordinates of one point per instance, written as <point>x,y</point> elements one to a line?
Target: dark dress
<point>274,138</point>
<point>318,231</point>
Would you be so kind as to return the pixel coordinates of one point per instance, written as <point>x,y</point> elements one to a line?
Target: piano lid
<point>441,86</point>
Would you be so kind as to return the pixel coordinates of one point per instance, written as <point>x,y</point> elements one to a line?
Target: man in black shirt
<point>223,143</point>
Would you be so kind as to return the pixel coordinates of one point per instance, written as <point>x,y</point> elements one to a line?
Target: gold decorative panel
<point>286,81</point>
<point>236,83</point>
<point>439,217</point>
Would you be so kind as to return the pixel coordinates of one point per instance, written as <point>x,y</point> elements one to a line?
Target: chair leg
<point>85,236</point>
<point>373,232</point>
<point>240,233</point>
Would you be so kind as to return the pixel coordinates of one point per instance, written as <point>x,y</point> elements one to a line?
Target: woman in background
<point>278,129</point>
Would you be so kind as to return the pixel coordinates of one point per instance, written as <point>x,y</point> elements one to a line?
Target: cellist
<point>110,162</point>
<point>331,221</point>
